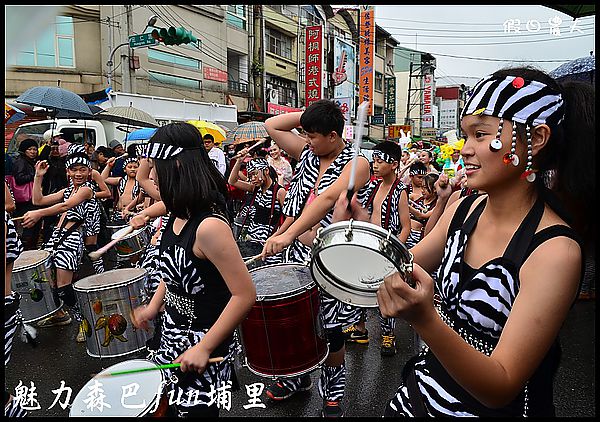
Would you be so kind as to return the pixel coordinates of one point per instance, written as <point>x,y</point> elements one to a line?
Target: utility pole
<point>251,39</point>
<point>258,59</point>
<point>407,119</point>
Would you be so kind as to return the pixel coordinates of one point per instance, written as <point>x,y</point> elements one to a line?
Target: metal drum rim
<point>30,266</point>
<point>107,287</point>
<point>282,295</point>
<point>295,374</point>
<point>130,235</point>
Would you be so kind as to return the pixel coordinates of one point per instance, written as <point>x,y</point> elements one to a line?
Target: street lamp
<point>110,63</point>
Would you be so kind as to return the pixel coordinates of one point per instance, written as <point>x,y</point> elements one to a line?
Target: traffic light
<point>173,36</point>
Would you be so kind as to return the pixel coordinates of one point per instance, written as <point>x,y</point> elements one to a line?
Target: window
<point>378,81</point>
<point>54,48</point>
<point>158,56</point>
<point>175,80</point>
<point>236,15</point>
<point>278,43</point>
<point>286,90</point>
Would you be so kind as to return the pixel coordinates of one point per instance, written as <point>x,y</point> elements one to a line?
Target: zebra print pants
<point>68,253</point>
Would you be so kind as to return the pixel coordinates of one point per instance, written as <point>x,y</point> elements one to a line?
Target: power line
<point>506,43</point>
<point>487,59</point>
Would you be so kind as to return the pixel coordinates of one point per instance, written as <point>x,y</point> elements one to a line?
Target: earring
<point>496,144</point>
<point>529,173</point>
<point>512,157</point>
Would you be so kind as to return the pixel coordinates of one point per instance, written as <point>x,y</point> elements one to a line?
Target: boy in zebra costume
<point>265,198</point>
<point>66,244</point>
<point>510,261</point>
<point>322,174</point>
<point>93,210</point>
<point>128,187</point>
<point>386,200</point>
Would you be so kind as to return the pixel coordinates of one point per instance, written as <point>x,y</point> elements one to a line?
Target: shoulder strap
<point>549,233</point>
<point>372,196</point>
<point>386,222</point>
<point>518,245</point>
<point>461,213</point>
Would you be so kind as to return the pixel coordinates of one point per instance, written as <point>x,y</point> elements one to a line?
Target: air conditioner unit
<point>273,96</point>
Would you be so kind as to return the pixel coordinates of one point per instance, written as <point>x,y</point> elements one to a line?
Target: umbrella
<point>12,114</point>
<point>141,134</point>
<point>55,98</point>
<point>68,114</point>
<point>575,11</point>
<point>581,65</point>
<point>128,116</point>
<point>205,127</point>
<point>248,132</point>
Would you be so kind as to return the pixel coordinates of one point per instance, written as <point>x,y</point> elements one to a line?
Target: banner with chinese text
<point>390,100</point>
<point>214,74</point>
<point>366,56</point>
<point>314,64</point>
<point>344,71</point>
<point>280,109</point>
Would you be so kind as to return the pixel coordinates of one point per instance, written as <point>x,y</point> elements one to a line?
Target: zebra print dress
<point>68,251</point>
<point>191,279</point>
<point>91,225</point>
<point>12,313</point>
<point>466,295</point>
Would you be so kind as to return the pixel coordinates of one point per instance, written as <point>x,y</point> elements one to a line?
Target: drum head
<point>109,279</point>
<point>128,395</point>
<point>278,281</point>
<point>30,259</point>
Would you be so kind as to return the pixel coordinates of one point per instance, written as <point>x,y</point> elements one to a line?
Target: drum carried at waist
<point>350,260</point>
<point>106,301</point>
<point>144,398</point>
<point>33,278</point>
<point>283,333</point>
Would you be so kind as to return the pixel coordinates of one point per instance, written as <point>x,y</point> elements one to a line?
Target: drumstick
<point>97,254</point>
<point>252,147</point>
<point>360,123</point>
<point>253,259</point>
<point>153,368</point>
<point>18,218</point>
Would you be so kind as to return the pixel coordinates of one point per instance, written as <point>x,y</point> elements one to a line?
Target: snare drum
<point>106,301</point>
<point>143,391</point>
<point>31,277</point>
<point>133,243</point>
<point>350,259</point>
<point>283,333</point>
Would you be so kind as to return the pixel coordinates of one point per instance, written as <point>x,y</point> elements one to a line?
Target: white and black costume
<point>196,294</point>
<point>465,297</point>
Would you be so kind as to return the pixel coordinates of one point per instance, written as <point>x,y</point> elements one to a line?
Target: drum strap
<point>248,203</point>
<point>275,187</point>
<point>67,233</point>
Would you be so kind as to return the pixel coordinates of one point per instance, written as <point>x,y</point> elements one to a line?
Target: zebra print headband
<point>129,160</point>
<point>75,148</point>
<point>514,98</point>
<point>162,151</point>
<point>383,156</point>
<point>77,159</point>
<point>257,164</point>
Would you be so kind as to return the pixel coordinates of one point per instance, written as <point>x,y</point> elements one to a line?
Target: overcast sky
<point>479,32</point>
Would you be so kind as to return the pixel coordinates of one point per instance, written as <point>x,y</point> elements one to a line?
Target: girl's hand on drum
<point>138,221</point>
<point>397,299</point>
<point>30,218</point>
<point>140,317</point>
<point>193,359</point>
<point>276,244</point>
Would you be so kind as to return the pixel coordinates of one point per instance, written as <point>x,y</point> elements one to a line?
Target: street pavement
<point>371,379</point>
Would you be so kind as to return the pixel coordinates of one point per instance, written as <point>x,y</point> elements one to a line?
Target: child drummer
<point>66,243</point>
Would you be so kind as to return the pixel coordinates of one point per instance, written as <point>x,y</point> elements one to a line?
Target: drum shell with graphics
<point>106,301</point>
<point>31,277</point>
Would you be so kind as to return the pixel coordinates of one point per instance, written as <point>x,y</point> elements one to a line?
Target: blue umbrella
<point>574,67</point>
<point>141,134</point>
<point>55,98</point>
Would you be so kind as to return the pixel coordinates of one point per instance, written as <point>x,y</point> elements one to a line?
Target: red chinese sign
<point>280,109</point>
<point>214,74</point>
<point>314,64</point>
<point>366,57</point>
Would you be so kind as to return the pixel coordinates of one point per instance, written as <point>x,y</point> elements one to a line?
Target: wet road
<point>371,378</point>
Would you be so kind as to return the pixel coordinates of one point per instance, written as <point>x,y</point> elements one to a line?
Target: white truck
<point>164,110</point>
